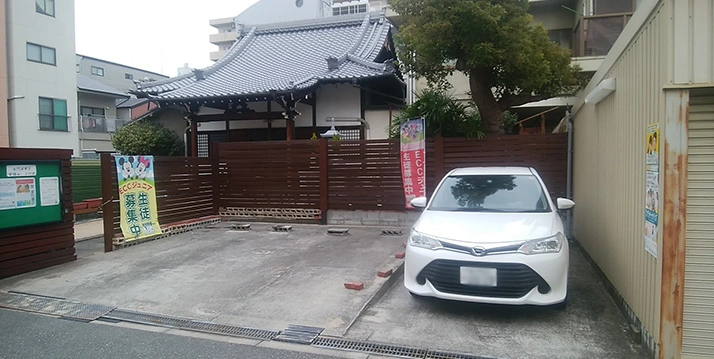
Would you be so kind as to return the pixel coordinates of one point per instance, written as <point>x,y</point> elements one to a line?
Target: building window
<point>129,76</point>
<point>53,114</point>
<point>97,71</point>
<point>604,7</point>
<point>93,119</point>
<point>42,54</point>
<point>349,9</point>
<point>46,7</point>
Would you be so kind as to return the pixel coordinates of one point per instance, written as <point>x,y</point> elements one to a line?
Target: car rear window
<point>491,193</point>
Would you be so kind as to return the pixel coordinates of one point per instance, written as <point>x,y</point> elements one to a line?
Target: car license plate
<point>484,277</point>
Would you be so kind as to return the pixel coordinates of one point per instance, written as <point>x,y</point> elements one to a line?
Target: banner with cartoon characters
<point>411,138</point>
<point>137,197</point>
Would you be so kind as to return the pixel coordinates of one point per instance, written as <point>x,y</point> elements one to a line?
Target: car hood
<point>484,227</point>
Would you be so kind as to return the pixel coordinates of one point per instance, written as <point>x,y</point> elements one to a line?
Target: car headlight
<point>417,239</point>
<point>546,245</point>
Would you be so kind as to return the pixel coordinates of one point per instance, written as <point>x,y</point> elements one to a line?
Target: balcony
<point>222,38</point>
<point>100,124</point>
<point>216,55</point>
<point>595,35</point>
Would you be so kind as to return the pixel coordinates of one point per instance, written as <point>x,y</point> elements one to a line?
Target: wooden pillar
<point>314,113</point>
<point>215,177</point>
<point>108,169</point>
<point>324,185</point>
<point>194,138</point>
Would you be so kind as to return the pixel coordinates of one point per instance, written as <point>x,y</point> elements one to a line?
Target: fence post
<point>439,158</point>
<point>324,185</point>
<point>107,168</point>
<point>215,179</point>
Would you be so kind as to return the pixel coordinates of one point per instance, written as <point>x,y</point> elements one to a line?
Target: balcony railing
<point>595,35</point>
<point>101,124</point>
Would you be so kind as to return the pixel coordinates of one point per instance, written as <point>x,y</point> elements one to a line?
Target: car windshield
<point>490,193</point>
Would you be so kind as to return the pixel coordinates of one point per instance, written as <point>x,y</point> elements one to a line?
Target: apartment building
<point>38,44</point>
<point>118,76</point>
<point>104,102</point>
<point>274,11</point>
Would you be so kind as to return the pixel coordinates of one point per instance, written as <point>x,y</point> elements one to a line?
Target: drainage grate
<point>337,231</point>
<point>281,228</point>
<point>388,349</point>
<point>190,324</point>
<point>240,227</point>
<point>52,306</point>
<point>391,232</point>
<point>299,334</point>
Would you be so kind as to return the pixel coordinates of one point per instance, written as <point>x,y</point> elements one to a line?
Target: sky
<point>153,35</point>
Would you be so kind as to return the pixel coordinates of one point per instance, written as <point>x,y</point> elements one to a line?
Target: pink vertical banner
<point>413,159</point>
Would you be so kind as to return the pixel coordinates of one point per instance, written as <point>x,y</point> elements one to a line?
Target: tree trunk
<point>488,107</point>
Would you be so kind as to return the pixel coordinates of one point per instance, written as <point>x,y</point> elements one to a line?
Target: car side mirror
<point>419,202</point>
<point>564,203</point>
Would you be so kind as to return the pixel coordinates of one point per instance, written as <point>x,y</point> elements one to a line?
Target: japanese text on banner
<point>137,197</point>
<point>413,159</point>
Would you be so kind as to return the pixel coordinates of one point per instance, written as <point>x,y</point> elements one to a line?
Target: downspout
<point>569,180</point>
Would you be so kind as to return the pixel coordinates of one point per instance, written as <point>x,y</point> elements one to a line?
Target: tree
<point>509,61</point>
<point>147,138</point>
<point>443,115</point>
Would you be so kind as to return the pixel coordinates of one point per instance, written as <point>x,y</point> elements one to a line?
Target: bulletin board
<point>30,193</point>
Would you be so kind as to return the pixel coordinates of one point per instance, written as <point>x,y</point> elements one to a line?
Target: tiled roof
<point>286,57</point>
<point>87,84</point>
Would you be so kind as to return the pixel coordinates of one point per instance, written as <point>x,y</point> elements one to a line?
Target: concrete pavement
<point>257,278</point>
<point>88,229</point>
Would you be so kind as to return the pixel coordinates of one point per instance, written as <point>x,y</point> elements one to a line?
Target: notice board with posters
<point>30,193</point>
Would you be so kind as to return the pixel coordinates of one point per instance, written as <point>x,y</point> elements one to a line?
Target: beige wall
<point>609,166</point>
<point>4,130</point>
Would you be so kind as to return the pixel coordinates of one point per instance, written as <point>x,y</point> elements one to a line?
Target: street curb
<point>84,239</point>
<point>377,295</point>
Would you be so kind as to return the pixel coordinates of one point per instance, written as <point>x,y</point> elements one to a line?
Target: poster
<point>17,193</point>
<point>652,189</point>
<point>413,158</point>
<point>137,197</point>
<point>49,191</point>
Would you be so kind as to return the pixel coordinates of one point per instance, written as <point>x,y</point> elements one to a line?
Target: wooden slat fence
<point>364,175</point>
<point>547,153</point>
<point>268,174</point>
<point>184,191</point>
<point>40,246</point>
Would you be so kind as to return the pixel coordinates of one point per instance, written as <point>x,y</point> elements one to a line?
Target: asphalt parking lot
<point>270,280</point>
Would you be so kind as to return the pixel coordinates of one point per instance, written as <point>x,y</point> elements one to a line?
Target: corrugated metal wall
<point>692,56</point>
<point>698,328</point>
<point>609,170</point>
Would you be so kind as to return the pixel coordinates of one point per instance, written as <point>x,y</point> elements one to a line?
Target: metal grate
<point>52,306</point>
<point>388,349</point>
<point>367,347</point>
<point>190,324</point>
<point>299,334</point>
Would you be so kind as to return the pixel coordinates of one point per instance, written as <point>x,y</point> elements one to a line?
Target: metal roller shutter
<point>698,329</point>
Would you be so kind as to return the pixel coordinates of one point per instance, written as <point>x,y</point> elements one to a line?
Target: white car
<point>489,235</point>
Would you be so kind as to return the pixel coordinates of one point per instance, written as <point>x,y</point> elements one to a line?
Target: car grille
<point>514,280</point>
